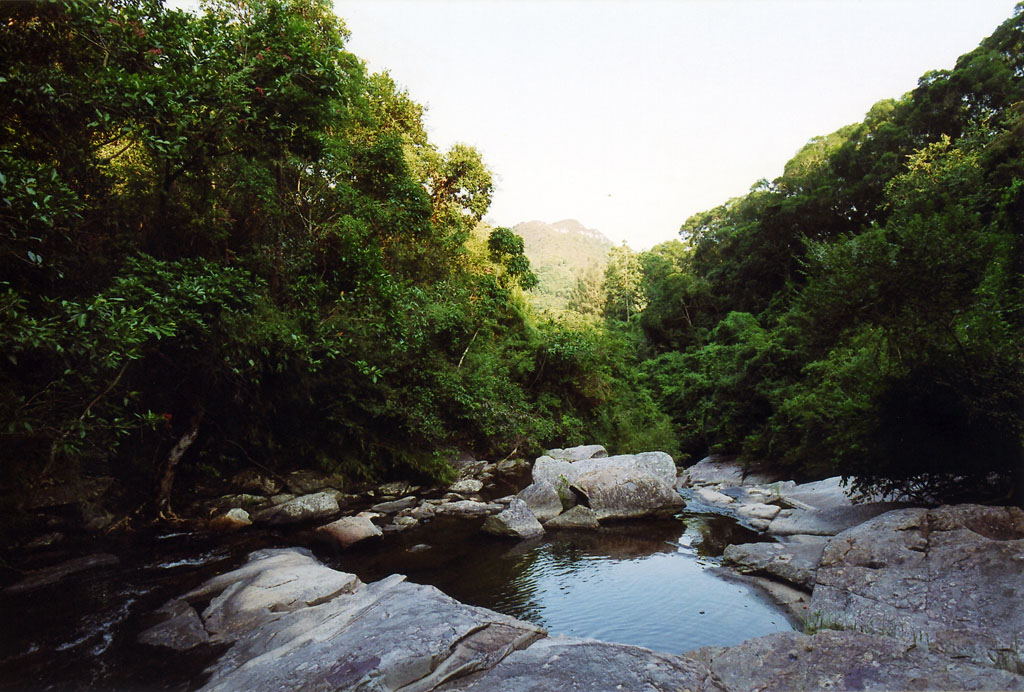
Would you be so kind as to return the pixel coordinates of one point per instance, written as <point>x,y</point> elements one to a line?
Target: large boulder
<point>300,509</point>
<point>948,577</point>
<point>349,530</point>
<point>516,521</point>
<point>578,664</point>
<point>293,624</point>
<point>578,517</point>
<point>625,493</point>
<point>561,473</point>
<point>845,661</point>
<point>543,500</point>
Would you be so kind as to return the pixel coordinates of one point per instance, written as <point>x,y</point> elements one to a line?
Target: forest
<point>225,243</point>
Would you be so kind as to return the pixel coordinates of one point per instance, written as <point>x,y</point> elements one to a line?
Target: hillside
<point>559,253</point>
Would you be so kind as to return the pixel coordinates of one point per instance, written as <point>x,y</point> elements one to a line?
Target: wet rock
<point>757,510</point>
<point>423,512</point>
<point>256,482</point>
<point>232,520</point>
<point>516,521</point>
<point>395,505</point>
<point>542,499</point>
<point>403,523</point>
<point>577,664</point>
<point>948,577</point>
<point>180,630</point>
<point>795,562</point>
<point>349,530</point>
<point>713,497</point>
<point>578,517</point>
<point>828,521</point>
<point>300,509</point>
<point>420,548</point>
<point>845,661</point>
<point>397,489</point>
<point>578,453</point>
<point>468,486</point>
<point>624,493</point>
<point>51,575</point>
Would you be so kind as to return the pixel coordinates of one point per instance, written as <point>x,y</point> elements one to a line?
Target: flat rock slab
<point>845,661</point>
<point>950,578</point>
<point>828,521</point>
<point>561,473</point>
<point>724,471</point>
<point>581,665</point>
<point>51,575</point>
<point>300,509</point>
<point>795,562</point>
<point>578,453</point>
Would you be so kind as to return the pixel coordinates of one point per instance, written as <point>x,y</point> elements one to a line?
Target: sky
<point>632,116</point>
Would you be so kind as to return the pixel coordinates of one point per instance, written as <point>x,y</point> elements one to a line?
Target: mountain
<point>560,253</point>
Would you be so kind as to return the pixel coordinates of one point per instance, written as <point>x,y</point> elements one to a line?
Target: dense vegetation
<point>224,243</point>
<point>862,313</point>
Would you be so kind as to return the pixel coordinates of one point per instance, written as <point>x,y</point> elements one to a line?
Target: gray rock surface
<point>305,508</point>
<point>307,482</point>
<point>845,661</point>
<point>516,521</point>
<point>559,472</point>
<point>349,530</point>
<point>578,517</point>
<point>950,578</point>
<point>393,506</point>
<point>467,486</point>
<point>232,520</point>
<point>578,453</point>
<point>625,493</point>
<point>46,576</point>
<point>795,562</point>
<point>468,508</point>
<point>565,664</point>
<point>718,470</point>
<point>543,500</point>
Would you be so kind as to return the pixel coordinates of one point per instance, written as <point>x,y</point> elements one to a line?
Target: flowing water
<point>651,583</point>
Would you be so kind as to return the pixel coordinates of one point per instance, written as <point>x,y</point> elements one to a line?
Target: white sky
<point>631,116</point>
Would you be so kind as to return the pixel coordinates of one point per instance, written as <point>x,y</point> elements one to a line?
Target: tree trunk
<point>166,482</point>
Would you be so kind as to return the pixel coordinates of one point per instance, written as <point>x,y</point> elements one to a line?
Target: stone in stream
<point>299,509</point>
<point>257,482</point>
<point>560,472</point>
<point>393,506</point>
<point>950,578</point>
<point>516,521</point>
<point>467,508</point>
<point>51,575</point>
<point>232,520</point>
<point>468,486</point>
<point>795,562</point>
<point>349,530</point>
<point>625,493</point>
<point>845,661</point>
<point>578,517</point>
<point>542,499</point>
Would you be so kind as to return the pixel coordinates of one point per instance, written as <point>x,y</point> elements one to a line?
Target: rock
<point>713,497</point>
<point>542,499</point>
<point>294,624</point>
<point>468,508</point>
<point>403,523</point>
<point>282,498</point>
<point>256,482</point>
<point>578,517</point>
<point>757,510</point>
<point>180,630</point>
<point>232,520</point>
<point>845,661</point>
<point>469,486</point>
<point>423,512</point>
<point>51,575</point>
<point>395,505</point>
<point>243,500</point>
<point>349,530</point>
<point>306,482</point>
<point>578,664</point>
<point>724,471</point>
<point>420,548</point>
<point>45,540</point>
<point>624,493</point>
<point>397,489</point>
<point>300,509</point>
<point>516,521</point>
<point>578,453</point>
<point>794,562</point>
<point>827,521</point>
<point>561,473</point>
<point>511,466</point>
<point>948,577</point>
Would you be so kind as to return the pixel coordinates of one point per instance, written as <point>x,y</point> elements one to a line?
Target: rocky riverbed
<point>892,597</point>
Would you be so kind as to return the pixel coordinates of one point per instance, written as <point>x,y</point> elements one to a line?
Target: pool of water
<point>651,583</point>
<point>655,584</point>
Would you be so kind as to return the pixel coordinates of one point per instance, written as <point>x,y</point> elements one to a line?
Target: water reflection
<point>647,583</point>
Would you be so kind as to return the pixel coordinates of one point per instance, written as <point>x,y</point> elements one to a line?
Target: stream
<point>653,583</point>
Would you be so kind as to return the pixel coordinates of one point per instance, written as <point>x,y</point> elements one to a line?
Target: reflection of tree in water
<point>717,532</point>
